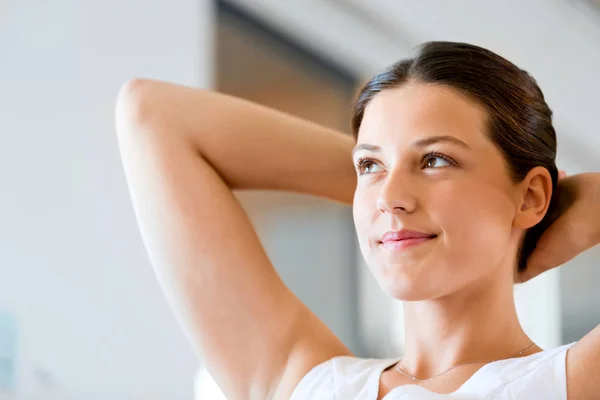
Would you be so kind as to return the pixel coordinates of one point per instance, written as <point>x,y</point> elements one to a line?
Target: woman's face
<point>425,164</point>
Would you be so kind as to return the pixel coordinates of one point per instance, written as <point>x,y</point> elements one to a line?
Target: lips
<point>404,239</point>
<point>405,234</point>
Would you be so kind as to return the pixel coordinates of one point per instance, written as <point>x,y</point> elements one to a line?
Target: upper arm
<point>256,338</point>
<point>583,367</point>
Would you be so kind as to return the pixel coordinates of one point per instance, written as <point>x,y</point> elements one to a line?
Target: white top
<point>538,376</point>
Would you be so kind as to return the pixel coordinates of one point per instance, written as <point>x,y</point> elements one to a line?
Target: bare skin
<point>184,150</point>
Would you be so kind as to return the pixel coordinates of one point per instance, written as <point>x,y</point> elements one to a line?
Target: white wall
<point>92,320</point>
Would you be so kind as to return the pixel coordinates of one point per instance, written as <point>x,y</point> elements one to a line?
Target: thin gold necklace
<point>456,366</point>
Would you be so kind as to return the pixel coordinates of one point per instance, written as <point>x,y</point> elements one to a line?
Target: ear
<point>534,194</point>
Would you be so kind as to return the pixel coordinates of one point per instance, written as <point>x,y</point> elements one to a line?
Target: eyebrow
<point>417,143</point>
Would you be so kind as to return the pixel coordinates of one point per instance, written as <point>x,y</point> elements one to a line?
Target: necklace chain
<point>456,366</point>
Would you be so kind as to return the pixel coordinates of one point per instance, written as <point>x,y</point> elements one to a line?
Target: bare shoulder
<point>583,367</point>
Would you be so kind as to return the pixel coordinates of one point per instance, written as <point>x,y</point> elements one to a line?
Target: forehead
<point>418,110</point>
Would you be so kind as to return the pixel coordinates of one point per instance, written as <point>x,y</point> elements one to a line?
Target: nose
<point>397,196</point>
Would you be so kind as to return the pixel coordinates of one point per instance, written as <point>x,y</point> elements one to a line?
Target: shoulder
<point>540,375</point>
<point>583,367</point>
<point>340,375</point>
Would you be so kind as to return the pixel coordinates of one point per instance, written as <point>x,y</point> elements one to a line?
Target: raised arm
<point>576,228</point>
<point>183,150</point>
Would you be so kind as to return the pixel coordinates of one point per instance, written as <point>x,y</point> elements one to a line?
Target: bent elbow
<point>133,102</point>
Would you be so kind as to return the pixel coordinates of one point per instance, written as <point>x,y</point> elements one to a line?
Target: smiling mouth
<point>403,244</point>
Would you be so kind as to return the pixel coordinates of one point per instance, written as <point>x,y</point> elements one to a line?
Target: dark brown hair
<point>519,120</point>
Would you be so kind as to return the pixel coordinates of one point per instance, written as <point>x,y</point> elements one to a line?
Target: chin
<point>407,287</point>
<point>407,292</point>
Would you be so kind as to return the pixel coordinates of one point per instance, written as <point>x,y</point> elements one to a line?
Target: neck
<point>478,323</point>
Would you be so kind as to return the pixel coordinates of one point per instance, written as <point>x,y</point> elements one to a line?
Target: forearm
<point>251,146</point>
<point>596,179</point>
<point>588,192</point>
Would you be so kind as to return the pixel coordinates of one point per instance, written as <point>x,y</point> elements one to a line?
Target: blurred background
<point>81,313</point>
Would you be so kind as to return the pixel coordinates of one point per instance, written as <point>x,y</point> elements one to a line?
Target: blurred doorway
<point>256,62</point>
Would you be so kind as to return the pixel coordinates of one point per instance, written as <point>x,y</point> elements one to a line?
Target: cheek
<point>361,214</point>
<point>476,220</point>
<point>364,212</point>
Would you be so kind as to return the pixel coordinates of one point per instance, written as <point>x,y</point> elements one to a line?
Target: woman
<point>453,180</point>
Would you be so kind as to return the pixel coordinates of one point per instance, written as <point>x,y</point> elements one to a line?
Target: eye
<point>436,160</point>
<point>366,166</point>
